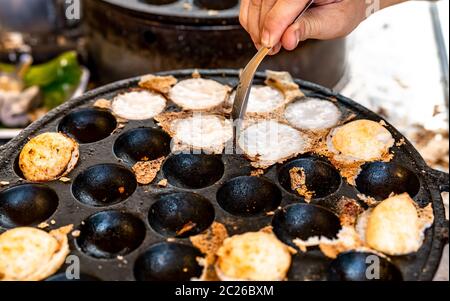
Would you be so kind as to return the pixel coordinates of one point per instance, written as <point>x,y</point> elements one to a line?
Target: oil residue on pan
<point>126,231</point>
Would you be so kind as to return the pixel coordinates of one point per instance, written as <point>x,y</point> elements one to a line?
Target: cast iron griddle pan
<point>124,236</point>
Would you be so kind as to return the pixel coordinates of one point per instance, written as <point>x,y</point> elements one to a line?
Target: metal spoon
<point>246,78</point>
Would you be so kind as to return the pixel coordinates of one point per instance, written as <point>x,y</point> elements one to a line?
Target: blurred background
<point>395,63</point>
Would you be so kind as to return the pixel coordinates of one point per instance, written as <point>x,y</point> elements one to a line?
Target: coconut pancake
<point>312,114</point>
<point>393,227</point>
<point>48,156</point>
<point>29,254</point>
<point>197,131</point>
<point>262,99</point>
<point>138,105</point>
<point>268,142</point>
<point>199,94</point>
<point>253,256</point>
<point>360,141</point>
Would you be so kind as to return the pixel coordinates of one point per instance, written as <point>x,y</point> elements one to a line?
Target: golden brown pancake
<point>360,140</point>
<point>29,254</point>
<point>393,226</point>
<point>257,256</point>
<point>48,156</point>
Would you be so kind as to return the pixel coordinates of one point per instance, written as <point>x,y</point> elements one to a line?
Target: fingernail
<point>265,38</point>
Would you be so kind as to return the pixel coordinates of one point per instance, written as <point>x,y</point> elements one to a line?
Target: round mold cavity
<point>304,221</point>
<point>216,5</point>
<point>321,177</point>
<point>193,171</point>
<point>362,266</point>
<point>62,278</point>
<point>108,234</point>
<point>26,204</point>
<point>380,179</point>
<point>104,185</point>
<point>142,144</point>
<point>88,125</point>
<point>168,262</point>
<point>248,196</point>
<point>181,214</point>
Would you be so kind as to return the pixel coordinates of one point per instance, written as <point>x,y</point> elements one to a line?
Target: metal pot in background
<point>39,27</point>
<point>128,38</point>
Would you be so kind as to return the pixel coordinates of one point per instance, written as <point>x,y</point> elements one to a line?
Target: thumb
<point>308,27</point>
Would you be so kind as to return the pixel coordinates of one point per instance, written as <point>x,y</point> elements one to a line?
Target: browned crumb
<point>43,225</point>
<point>146,171</point>
<point>298,183</point>
<point>163,183</point>
<point>257,172</point>
<point>160,84</point>
<point>349,210</point>
<point>196,74</point>
<point>166,119</point>
<point>400,142</point>
<point>333,99</point>
<point>76,233</point>
<point>267,229</point>
<point>347,239</point>
<point>426,216</point>
<point>61,232</point>
<point>209,243</point>
<point>145,158</point>
<point>283,81</point>
<point>103,104</point>
<point>121,121</point>
<point>64,179</point>
<point>368,200</point>
<point>211,240</point>
<point>185,270</point>
<point>186,228</point>
<point>349,118</point>
<point>121,190</point>
<point>270,213</point>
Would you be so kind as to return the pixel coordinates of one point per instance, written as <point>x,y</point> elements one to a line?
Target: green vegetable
<point>57,78</point>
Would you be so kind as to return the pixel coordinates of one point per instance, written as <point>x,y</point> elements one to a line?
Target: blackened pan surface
<point>124,235</point>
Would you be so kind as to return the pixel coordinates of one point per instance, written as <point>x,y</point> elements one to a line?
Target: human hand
<point>269,22</point>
